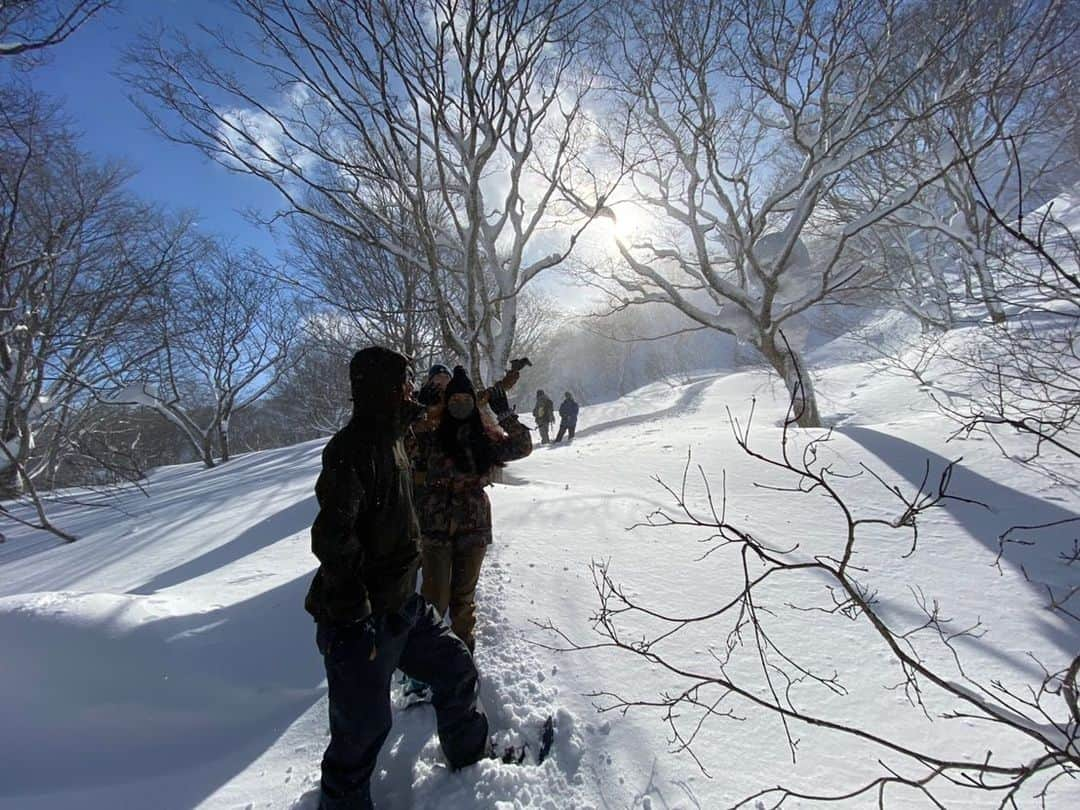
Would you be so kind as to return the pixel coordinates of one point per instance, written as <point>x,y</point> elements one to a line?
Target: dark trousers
<point>451,572</point>
<point>565,427</point>
<point>545,432</point>
<point>419,643</point>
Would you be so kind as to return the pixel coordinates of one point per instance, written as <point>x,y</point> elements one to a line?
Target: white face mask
<point>460,410</point>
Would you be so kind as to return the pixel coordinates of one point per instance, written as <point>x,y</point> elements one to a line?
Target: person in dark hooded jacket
<point>454,458</point>
<point>369,618</point>
<point>568,412</point>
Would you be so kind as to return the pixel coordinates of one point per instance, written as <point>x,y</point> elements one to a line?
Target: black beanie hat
<point>460,384</point>
<point>437,369</point>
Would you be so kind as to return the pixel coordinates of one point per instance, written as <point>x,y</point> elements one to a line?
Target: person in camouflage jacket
<point>544,413</point>
<point>455,455</point>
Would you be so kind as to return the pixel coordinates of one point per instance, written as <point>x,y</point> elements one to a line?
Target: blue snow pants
<point>419,643</point>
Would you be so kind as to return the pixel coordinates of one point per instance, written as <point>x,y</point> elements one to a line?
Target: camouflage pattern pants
<point>451,570</point>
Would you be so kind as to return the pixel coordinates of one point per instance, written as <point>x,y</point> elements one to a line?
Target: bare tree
<point>539,316</point>
<point>30,26</point>
<point>954,254</point>
<point>227,334</point>
<point>79,258</point>
<point>437,131</point>
<point>99,445</point>
<point>1024,374</point>
<point>384,298</point>
<point>312,397</point>
<point>741,120</point>
<point>754,664</point>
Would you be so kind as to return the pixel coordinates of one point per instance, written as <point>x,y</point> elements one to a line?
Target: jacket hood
<point>376,375</point>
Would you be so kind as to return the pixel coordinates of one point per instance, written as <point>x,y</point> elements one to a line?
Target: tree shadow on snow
<point>901,616</point>
<point>291,520</point>
<point>198,696</point>
<point>1040,562</point>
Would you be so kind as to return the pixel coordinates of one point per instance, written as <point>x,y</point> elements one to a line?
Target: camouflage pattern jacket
<point>544,412</point>
<point>450,502</point>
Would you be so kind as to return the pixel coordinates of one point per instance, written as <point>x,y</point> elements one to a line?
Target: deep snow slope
<point>165,661</point>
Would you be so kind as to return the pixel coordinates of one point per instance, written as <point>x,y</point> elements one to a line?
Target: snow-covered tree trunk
<point>223,439</point>
<point>207,449</point>
<point>145,394</point>
<point>15,454</point>
<point>988,292</point>
<point>788,363</point>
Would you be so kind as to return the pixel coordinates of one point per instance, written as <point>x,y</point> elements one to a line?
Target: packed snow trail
<point>165,661</point>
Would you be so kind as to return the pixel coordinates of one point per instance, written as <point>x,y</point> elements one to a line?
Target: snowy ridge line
<point>687,402</point>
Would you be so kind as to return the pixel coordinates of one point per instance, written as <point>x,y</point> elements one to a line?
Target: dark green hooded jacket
<point>366,534</point>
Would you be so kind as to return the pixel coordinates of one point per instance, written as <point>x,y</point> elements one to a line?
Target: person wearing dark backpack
<point>544,414</point>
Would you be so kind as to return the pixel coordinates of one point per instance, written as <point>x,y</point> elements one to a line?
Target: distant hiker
<point>568,412</point>
<point>454,459</point>
<point>544,413</point>
<point>369,619</point>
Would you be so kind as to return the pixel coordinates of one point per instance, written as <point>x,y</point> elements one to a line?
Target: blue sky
<point>81,74</point>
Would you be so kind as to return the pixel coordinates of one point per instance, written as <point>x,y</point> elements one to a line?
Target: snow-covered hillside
<point>165,661</point>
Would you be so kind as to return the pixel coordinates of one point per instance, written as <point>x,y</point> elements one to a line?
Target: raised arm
<point>518,441</point>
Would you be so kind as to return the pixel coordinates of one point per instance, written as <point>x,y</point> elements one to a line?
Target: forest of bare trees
<point>628,192</point>
<point>755,162</point>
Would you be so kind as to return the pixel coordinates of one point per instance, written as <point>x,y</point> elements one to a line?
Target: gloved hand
<point>511,377</point>
<point>498,402</point>
<point>365,633</point>
<point>429,394</point>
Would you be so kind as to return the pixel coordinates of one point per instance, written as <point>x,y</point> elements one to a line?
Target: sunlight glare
<point>623,223</point>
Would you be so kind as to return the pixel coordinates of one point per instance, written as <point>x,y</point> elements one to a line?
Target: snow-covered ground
<point>165,660</point>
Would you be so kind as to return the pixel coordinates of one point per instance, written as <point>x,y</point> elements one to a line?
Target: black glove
<point>367,631</point>
<point>364,632</point>
<point>498,402</point>
<point>519,363</point>
<point>428,395</point>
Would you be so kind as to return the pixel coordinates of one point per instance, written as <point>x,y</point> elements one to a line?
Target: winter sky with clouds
<point>83,76</point>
